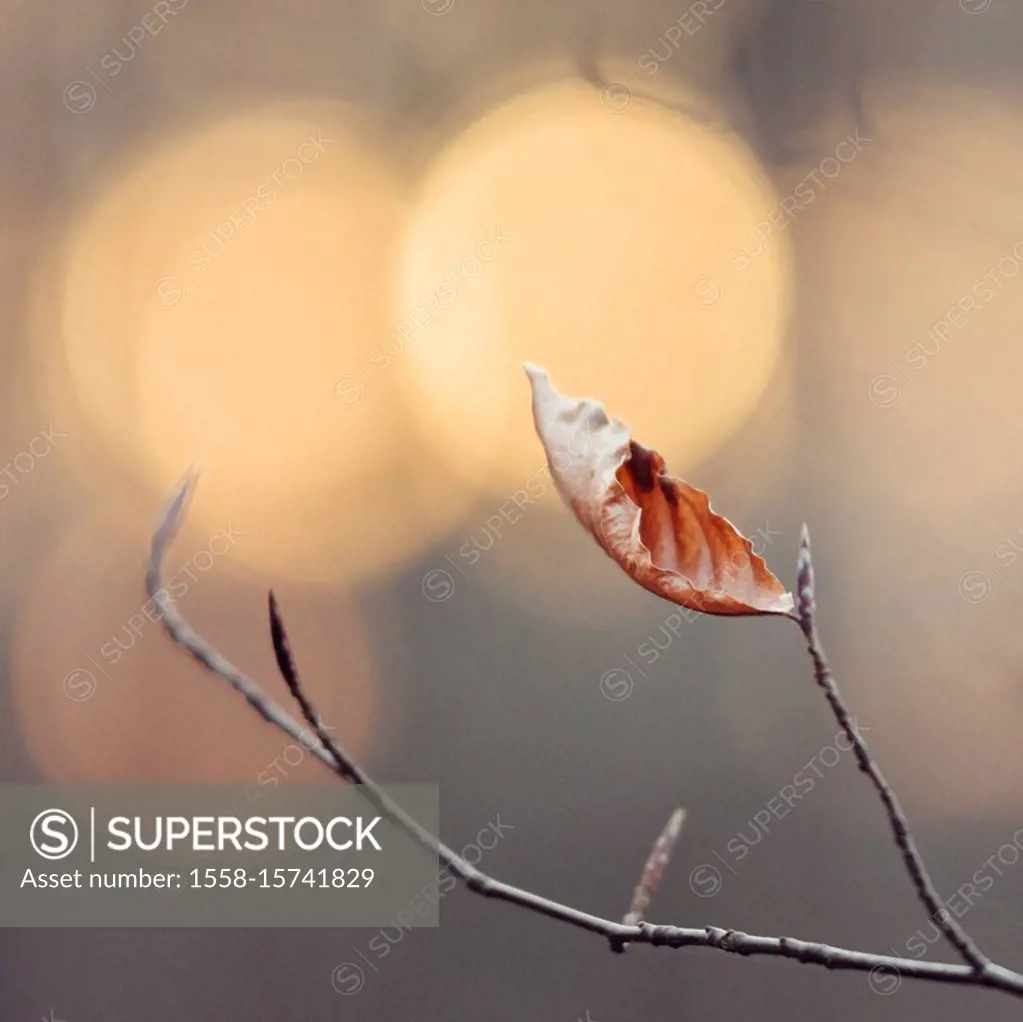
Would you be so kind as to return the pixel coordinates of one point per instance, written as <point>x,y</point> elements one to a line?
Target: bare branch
<point>329,752</point>
<point>618,934</point>
<point>343,764</point>
<point>925,888</point>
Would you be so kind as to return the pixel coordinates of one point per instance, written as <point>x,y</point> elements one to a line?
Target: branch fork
<point>977,969</point>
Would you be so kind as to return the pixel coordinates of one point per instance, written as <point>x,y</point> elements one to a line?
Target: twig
<point>343,764</point>
<point>618,934</point>
<point>329,752</point>
<point>650,879</point>
<point>925,888</point>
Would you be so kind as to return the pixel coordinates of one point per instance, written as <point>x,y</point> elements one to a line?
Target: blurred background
<point>305,247</point>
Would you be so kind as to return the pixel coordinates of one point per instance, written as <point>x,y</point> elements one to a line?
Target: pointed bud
<point>804,580</point>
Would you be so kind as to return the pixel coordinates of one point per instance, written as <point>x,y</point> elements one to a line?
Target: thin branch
<point>925,888</point>
<point>650,879</point>
<point>618,934</point>
<point>343,764</point>
<point>332,755</point>
<point>329,752</point>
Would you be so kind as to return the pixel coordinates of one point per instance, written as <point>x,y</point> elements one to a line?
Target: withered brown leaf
<point>660,530</point>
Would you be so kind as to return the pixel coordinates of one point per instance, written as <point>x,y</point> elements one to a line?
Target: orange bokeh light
<point>215,296</point>
<point>103,695</point>
<point>555,231</point>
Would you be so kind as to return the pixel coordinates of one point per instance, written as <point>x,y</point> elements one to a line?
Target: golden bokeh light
<point>918,290</point>
<point>921,293</point>
<point>606,245</point>
<point>102,694</point>
<point>218,297</point>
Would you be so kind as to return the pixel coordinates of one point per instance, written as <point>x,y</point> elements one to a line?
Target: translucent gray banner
<point>296,856</point>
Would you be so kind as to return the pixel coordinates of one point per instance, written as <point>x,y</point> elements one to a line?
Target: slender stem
<point>617,933</point>
<point>329,752</point>
<point>921,879</point>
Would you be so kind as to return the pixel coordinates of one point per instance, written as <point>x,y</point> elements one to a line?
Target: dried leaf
<point>660,530</point>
